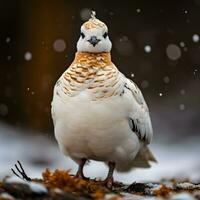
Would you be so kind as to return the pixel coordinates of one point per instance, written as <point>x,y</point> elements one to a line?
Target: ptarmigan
<point>97,112</point>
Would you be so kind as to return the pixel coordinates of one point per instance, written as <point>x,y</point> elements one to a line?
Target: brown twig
<point>21,173</point>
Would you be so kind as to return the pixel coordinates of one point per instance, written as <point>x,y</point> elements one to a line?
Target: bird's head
<point>94,37</point>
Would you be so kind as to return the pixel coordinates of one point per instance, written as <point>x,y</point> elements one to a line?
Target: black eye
<point>105,34</point>
<point>82,35</point>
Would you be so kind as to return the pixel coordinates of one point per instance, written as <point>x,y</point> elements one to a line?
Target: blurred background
<point>156,44</point>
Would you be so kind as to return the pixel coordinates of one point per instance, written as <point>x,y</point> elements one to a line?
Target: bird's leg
<point>109,179</point>
<point>79,173</point>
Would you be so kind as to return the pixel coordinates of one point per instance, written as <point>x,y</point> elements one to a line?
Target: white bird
<point>98,113</point>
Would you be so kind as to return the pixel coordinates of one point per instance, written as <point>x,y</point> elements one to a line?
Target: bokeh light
<point>173,52</point>
<point>85,14</point>
<point>147,48</point>
<point>28,56</point>
<point>59,45</point>
<point>195,38</point>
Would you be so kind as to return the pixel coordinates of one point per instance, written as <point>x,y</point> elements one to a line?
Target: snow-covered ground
<point>37,152</point>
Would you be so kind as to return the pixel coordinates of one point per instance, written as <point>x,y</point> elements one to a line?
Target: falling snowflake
<point>8,40</point>
<point>166,79</point>
<point>9,57</point>
<point>182,92</point>
<point>182,44</point>
<point>28,56</point>
<point>160,94</point>
<point>182,107</point>
<point>132,75</point>
<point>195,38</point>
<point>147,48</point>
<point>138,10</point>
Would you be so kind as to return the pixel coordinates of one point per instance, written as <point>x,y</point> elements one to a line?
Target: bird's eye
<point>82,35</point>
<point>105,34</point>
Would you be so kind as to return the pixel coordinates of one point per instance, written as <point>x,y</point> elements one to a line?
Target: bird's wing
<point>139,119</point>
<point>143,159</point>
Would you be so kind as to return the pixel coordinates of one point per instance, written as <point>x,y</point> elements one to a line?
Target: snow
<point>182,91</point>
<point>138,10</point>
<point>195,38</point>
<point>182,44</point>
<point>132,75</point>
<point>34,187</point>
<point>187,185</point>
<point>38,188</point>
<point>14,179</point>
<point>182,196</point>
<point>147,48</point>
<point>160,94</point>
<point>8,39</point>
<point>111,196</point>
<point>16,144</point>
<point>182,107</point>
<point>127,196</point>
<point>28,56</point>
<point>9,57</point>
<point>153,185</point>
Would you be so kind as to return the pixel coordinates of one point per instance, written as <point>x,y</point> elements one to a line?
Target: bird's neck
<point>93,59</point>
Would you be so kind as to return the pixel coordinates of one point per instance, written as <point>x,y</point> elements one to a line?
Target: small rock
<point>138,188</point>
<point>16,185</point>
<point>187,186</point>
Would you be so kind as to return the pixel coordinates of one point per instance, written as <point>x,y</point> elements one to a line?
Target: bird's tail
<point>142,160</point>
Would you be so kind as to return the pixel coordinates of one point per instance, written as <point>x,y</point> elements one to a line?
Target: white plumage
<point>98,113</point>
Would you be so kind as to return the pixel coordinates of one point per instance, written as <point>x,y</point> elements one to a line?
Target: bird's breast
<point>99,82</point>
<point>95,129</point>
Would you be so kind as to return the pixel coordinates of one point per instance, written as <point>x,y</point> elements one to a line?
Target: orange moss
<point>162,191</point>
<point>63,180</point>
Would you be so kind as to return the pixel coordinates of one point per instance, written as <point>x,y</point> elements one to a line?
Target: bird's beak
<point>93,40</point>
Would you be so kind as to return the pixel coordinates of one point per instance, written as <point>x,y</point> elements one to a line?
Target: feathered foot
<point>109,179</point>
<point>79,173</point>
